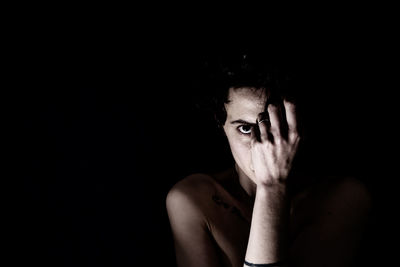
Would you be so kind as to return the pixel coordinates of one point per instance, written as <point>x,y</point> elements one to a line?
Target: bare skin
<point>246,212</point>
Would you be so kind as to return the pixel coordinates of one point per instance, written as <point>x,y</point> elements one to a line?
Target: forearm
<point>269,226</point>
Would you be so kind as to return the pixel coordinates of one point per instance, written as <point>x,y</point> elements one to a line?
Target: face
<point>242,110</point>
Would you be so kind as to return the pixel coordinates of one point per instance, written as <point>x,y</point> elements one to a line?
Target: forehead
<point>245,103</point>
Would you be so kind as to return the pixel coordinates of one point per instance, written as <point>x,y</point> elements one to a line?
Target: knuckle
<point>278,140</point>
<point>275,132</point>
<point>295,138</point>
<point>294,134</point>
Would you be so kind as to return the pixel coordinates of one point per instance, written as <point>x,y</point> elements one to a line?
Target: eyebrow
<point>242,122</point>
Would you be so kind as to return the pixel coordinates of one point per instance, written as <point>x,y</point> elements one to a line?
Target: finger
<point>263,125</point>
<point>275,129</point>
<point>253,136</point>
<point>291,117</point>
<point>253,141</point>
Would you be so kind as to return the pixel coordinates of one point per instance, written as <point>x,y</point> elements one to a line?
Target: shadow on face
<point>244,105</point>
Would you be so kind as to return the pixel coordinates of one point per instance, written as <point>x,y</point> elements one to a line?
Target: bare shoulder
<point>194,185</point>
<point>190,192</point>
<point>345,192</point>
<point>187,206</point>
<point>338,211</point>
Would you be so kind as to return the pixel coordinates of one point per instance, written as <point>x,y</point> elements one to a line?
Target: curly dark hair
<point>245,69</point>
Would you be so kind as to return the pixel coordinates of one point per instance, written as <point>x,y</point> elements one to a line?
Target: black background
<point>110,124</point>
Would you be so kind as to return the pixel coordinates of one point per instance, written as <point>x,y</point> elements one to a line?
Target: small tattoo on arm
<point>228,207</point>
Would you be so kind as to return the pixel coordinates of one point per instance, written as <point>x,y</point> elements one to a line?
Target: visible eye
<point>245,129</point>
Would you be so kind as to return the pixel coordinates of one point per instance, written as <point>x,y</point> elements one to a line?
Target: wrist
<point>279,186</point>
<point>276,196</point>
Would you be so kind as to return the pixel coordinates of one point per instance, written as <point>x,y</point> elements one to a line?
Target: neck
<point>246,183</point>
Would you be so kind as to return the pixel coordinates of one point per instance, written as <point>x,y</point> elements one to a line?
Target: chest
<point>229,225</point>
